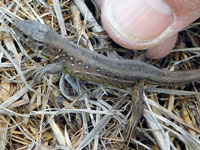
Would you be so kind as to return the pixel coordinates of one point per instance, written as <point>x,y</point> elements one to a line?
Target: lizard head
<point>36,36</point>
<point>32,29</point>
<point>32,33</point>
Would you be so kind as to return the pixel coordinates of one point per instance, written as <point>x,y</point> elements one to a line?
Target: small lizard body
<point>91,66</point>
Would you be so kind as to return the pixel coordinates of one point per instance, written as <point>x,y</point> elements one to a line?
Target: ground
<point>66,113</point>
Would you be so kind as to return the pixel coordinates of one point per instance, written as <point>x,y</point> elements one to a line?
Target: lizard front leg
<point>50,68</point>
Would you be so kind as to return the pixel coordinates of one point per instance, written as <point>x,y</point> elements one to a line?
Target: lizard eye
<point>40,47</point>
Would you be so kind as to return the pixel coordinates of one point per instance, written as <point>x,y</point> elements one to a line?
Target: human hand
<point>148,24</point>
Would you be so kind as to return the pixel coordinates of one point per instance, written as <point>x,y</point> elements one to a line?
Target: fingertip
<point>162,49</point>
<point>136,24</point>
<point>99,3</point>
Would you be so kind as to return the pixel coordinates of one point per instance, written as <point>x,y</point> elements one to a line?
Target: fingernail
<point>140,19</point>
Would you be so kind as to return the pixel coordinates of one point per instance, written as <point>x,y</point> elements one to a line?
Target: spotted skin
<point>91,66</point>
<point>87,65</point>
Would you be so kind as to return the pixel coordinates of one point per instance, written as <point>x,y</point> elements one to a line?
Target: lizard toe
<point>38,74</point>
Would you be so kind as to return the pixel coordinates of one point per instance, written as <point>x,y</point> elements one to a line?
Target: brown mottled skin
<point>91,66</point>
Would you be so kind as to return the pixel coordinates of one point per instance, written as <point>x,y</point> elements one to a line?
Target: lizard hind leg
<point>138,109</point>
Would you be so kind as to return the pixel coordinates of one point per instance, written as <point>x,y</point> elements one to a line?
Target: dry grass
<point>72,114</point>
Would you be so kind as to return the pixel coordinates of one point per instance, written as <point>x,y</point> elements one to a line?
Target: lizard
<point>91,66</point>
